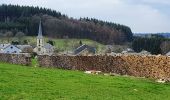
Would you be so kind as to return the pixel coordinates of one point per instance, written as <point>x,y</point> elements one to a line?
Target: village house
<point>43,48</point>
<point>128,50</point>
<point>84,50</point>
<point>3,46</point>
<point>9,48</point>
<point>144,52</point>
<point>168,54</point>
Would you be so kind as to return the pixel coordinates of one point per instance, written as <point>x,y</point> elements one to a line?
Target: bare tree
<point>66,43</point>
<point>165,47</point>
<point>20,36</point>
<point>28,50</point>
<point>8,35</point>
<point>2,37</point>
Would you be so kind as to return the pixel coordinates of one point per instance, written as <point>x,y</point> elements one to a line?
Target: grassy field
<point>30,83</point>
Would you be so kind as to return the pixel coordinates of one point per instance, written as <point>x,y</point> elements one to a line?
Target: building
<point>41,47</point>
<point>11,49</point>
<point>48,49</point>
<point>144,52</point>
<point>3,46</point>
<point>25,48</point>
<point>128,50</point>
<point>168,54</point>
<point>85,50</point>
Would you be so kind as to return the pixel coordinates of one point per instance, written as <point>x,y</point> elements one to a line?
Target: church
<point>43,48</point>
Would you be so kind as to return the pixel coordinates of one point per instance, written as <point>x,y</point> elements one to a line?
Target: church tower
<point>40,40</point>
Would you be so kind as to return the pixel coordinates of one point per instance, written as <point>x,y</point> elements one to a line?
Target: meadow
<point>35,83</point>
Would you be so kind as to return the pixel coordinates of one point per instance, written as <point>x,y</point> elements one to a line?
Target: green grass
<point>30,83</point>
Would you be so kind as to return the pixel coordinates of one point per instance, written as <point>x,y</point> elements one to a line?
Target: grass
<point>30,83</point>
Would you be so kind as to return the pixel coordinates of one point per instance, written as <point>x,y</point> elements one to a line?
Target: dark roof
<point>83,47</point>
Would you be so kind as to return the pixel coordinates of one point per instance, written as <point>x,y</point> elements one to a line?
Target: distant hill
<point>165,35</point>
<point>24,18</point>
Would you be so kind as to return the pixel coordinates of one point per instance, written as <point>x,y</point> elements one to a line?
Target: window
<point>39,49</point>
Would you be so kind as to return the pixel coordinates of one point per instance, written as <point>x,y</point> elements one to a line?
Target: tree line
<point>16,18</point>
<point>156,44</point>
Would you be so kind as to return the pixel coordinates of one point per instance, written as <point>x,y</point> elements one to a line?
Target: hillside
<point>23,18</point>
<point>30,83</point>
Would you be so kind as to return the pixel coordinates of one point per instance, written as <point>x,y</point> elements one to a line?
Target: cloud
<point>164,2</point>
<point>140,15</point>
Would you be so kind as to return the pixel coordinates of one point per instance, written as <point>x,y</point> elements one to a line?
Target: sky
<point>142,16</point>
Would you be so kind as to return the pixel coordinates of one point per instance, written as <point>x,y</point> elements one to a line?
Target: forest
<point>15,18</point>
<point>156,44</point>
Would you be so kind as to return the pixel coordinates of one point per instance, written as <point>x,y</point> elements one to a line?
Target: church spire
<point>40,31</point>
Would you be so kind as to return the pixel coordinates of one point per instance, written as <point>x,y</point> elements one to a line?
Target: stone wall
<point>21,59</point>
<point>155,67</point>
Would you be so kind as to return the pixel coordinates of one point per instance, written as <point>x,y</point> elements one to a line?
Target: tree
<point>28,50</point>
<point>51,42</point>
<point>20,36</point>
<point>25,42</point>
<point>149,44</point>
<point>8,35</point>
<point>66,43</point>
<point>2,37</point>
<point>56,25</point>
<point>14,42</point>
<point>80,43</point>
<point>165,47</point>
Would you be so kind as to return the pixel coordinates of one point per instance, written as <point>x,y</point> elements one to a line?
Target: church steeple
<point>40,41</point>
<point>41,48</point>
<point>40,31</point>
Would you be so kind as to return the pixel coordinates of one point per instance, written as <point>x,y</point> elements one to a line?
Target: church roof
<point>40,31</point>
<point>48,46</point>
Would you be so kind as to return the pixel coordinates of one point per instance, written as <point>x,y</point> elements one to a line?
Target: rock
<point>161,81</point>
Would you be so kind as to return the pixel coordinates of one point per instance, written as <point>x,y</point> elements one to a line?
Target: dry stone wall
<point>155,67</point>
<point>21,59</point>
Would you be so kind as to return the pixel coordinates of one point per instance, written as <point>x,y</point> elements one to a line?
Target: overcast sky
<point>140,15</point>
